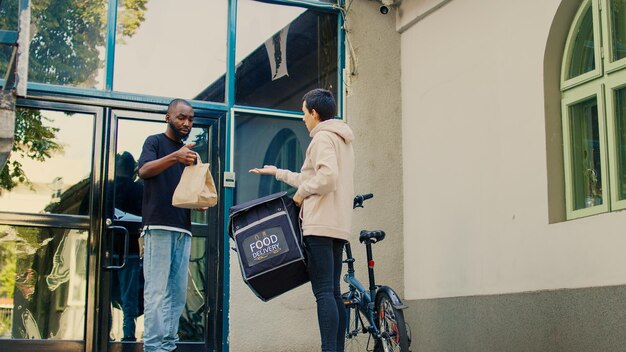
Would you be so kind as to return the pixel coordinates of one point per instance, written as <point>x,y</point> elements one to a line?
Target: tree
<point>67,47</point>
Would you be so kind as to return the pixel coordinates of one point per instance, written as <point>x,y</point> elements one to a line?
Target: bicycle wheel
<point>392,326</point>
<point>357,338</point>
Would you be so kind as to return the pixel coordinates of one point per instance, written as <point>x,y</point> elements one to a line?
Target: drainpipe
<point>15,79</point>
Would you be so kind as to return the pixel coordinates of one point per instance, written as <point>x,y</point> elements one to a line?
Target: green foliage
<point>68,37</point>
<point>7,270</point>
<point>67,47</point>
<point>33,140</point>
<point>131,16</point>
<point>8,266</point>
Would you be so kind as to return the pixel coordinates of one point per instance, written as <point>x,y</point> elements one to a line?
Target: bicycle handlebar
<point>360,198</point>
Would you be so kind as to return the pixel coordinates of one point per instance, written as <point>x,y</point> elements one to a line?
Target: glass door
<point>48,189</point>
<point>122,284</point>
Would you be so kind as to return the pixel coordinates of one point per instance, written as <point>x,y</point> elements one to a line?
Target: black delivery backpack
<point>267,237</point>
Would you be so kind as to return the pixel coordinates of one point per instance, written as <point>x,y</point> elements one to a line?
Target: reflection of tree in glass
<point>33,140</point>
<point>201,141</point>
<point>18,245</point>
<point>8,252</point>
<point>68,36</point>
<point>8,258</point>
<point>29,252</point>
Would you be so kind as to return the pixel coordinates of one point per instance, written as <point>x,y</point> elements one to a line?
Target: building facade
<point>490,133</point>
<point>512,139</point>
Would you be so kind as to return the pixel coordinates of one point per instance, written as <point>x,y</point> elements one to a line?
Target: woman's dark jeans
<point>324,255</point>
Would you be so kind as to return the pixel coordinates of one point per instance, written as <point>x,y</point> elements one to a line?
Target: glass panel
<point>618,27</point>
<point>68,45</point>
<point>193,322</point>
<point>8,22</point>
<point>263,140</point>
<point>59,143</point>
<point>582,54</point>
<point>130,137</point>
<point>44,283</point>
<point>127,285</point>
<point>620,118</point>
<point>8,15</point>
<point>127,298</point>
<point>5,54</point>
<point>177,48</point>
<point>283,52</point>
<point>586,164</point>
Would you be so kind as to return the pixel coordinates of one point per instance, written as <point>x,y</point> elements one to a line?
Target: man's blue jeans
<point>324,266</point>
<point>165,264</point>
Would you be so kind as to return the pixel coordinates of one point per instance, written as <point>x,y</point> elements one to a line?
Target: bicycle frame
<point>364,303</point>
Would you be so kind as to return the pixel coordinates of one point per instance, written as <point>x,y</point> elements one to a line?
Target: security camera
<point>386,5</point>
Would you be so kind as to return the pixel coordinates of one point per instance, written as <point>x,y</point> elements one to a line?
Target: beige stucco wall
<point>474,157</point>
<point>372,108</point>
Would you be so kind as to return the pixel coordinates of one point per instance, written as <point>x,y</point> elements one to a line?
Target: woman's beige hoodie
<point>325,181</point>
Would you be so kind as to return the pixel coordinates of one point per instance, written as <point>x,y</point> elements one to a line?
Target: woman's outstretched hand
<point>266,170</point>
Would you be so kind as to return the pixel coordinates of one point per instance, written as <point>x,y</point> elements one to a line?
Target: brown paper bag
<point>196,188</point>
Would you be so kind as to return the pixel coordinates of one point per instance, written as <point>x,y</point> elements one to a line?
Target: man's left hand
<point>201,209</point>
<point>298,199</point>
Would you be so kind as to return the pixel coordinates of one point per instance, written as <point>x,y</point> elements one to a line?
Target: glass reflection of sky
<point>180,49</point>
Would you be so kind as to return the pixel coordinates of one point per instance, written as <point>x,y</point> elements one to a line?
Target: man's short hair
<point>322,101</point>
<point>175,103</point>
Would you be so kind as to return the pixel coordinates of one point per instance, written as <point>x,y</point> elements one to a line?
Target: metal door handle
<point>110,253</point>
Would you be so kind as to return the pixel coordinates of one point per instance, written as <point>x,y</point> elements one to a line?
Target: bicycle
<point>380,305</point>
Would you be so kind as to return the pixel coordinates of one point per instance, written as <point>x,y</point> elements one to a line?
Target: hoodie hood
<point>338,127</point>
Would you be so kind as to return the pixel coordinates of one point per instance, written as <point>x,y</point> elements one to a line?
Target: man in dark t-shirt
<point>166,229</point>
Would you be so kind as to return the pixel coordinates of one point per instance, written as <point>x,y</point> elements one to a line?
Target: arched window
<point>284,152</point>
<point>593,106</point>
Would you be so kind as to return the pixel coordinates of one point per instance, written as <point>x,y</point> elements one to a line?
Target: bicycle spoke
<point>387,323</point>
<point>356,339</point>
<point>358,343</point>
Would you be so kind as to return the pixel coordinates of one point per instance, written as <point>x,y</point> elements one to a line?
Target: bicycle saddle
<point>372,236</point>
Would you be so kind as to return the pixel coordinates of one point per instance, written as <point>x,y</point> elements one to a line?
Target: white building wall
<point>474,159</point>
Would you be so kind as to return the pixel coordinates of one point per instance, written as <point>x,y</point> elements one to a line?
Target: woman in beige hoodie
<point>325,194</point>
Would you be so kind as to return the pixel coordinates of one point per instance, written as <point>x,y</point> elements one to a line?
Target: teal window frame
<point>601,84</point>
<point>110,94</point>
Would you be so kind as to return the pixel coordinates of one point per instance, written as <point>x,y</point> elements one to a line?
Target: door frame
<point>81,222</point>
<point>213,316</point>
<point>96,329</point>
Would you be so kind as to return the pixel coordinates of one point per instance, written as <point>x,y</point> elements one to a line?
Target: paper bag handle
<point>198,158</point>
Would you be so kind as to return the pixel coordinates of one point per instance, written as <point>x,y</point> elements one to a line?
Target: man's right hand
<point>185,155</point>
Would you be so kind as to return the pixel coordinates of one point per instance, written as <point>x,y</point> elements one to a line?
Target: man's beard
<point>181,137</point>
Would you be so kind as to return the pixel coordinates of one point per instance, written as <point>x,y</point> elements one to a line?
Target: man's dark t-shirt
<point>157,206</point>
